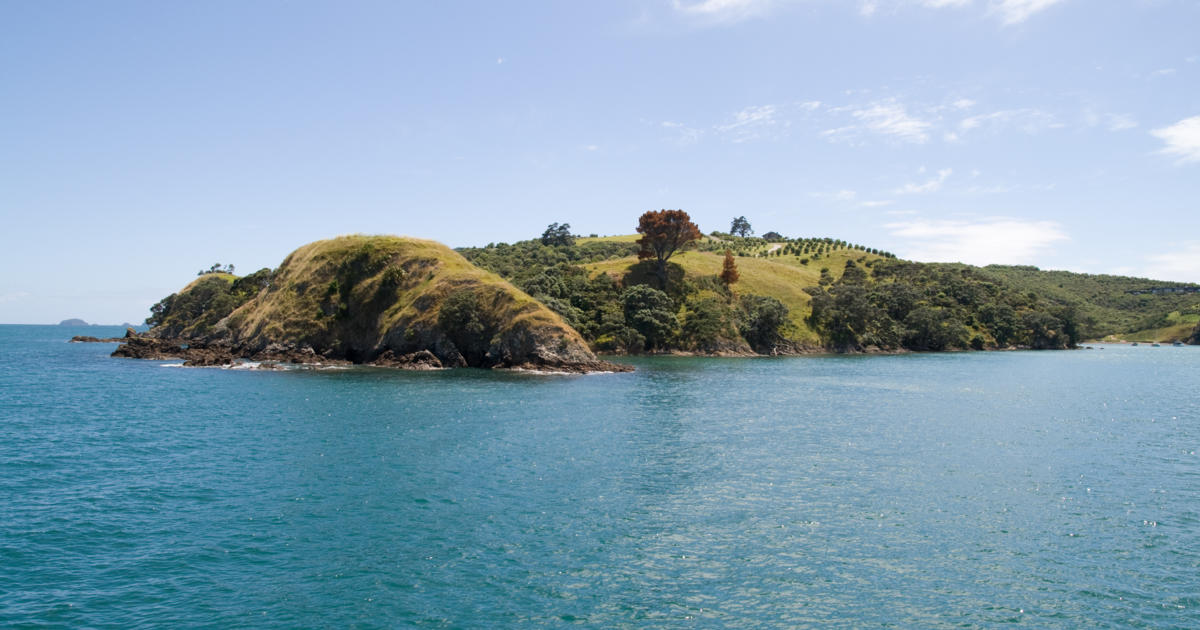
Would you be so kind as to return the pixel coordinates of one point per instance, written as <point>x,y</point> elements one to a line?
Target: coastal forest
<point>818,293</point>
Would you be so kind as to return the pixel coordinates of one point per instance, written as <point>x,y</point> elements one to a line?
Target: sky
<point>143,141</point>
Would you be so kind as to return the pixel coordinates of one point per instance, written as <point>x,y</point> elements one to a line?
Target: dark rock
<point>420,360</point>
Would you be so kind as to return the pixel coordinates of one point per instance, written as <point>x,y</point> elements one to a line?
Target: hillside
<point>825,293</point>
<point>365,299</point>
<point>1116,307</point>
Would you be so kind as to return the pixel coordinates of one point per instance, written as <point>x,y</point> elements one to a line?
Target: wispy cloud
<point>13,297</point>
<point>1182,138</point>
<point>724,10</point>
<point>997,240</point>
<point>1017,11</point>
<point>888,118</point>
<point>684,135</point>
<point>839,195</point>
<point>1120,122</point>
<point>1028,120</point>
<point>1181,264</point>
<point>729,11</point>
<point>749,124</point>
<point>1162,72</point>
<point>876,203</point>
<point>932,185</point>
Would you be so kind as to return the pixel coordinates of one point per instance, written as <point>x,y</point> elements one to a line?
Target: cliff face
<point>371,299</point>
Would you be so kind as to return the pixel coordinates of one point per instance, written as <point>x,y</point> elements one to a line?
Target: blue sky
<point>140,142</point>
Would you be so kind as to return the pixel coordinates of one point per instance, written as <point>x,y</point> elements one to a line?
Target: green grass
<point>780,277</point>
<point>618,238</point>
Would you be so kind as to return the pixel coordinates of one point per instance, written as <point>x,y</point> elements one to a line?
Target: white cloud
<point>1180,265</point>
<point>876,203</point>
<point>888,118</point>
<point>932,185</point>
<point>686,135</point>
<point>728,11</point>
<point>1182,138</point>
<point>724,10</point>
<point>1017,11</point>
<point>1027,119</point>
<point>1120,122</point>
<point>996,240</point>
<point>963,103</point>
<point>750,123</point>
<point>840,195</point>
<point>1162,72</point>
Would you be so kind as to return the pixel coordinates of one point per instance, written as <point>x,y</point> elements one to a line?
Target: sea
<point>1056,489</point>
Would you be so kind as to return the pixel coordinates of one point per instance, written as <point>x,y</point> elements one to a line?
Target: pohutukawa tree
<point>663,233</point>
<point>729,274</point>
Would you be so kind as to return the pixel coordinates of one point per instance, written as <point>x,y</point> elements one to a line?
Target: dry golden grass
<point>386,283</point>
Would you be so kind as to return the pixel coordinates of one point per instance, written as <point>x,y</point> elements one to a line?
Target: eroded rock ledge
<point>204,354</point>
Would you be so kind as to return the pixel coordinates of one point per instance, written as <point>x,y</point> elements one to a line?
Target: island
<point>552,303</point>
<point>375,300</point>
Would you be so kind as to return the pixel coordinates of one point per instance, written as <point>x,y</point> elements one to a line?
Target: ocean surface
<point>1027,489</point>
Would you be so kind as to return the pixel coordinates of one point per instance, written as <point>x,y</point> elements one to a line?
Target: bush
<point>762,322</point>
<point>651,313</point>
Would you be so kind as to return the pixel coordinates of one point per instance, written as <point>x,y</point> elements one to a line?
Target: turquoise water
<point>1052,490</point>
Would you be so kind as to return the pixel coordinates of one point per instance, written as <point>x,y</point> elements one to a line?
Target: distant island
<point>73,322</point>
<point>551,303</point>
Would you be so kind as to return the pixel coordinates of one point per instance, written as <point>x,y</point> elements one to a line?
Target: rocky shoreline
<point>198,353</point>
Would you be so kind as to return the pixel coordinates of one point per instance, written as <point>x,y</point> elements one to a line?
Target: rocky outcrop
<point>130,333</point>
<point>385,301</point>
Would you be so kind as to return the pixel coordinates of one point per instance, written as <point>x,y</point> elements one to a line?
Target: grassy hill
<point>782,277</point>
<point>888,303</point>
<point>359,298</point>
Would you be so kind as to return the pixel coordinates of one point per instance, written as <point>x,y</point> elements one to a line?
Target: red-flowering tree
<point>663,233</point>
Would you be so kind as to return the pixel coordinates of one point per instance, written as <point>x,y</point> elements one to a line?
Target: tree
<point>460,320</point>
<point>729,274</point>
<point>556,234</point>
<point>763,319</point>
<point>773,236</point>
<point>707,323</point>
<point>663,233</point>
<point>740,227</point>
<point>649,312</point>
